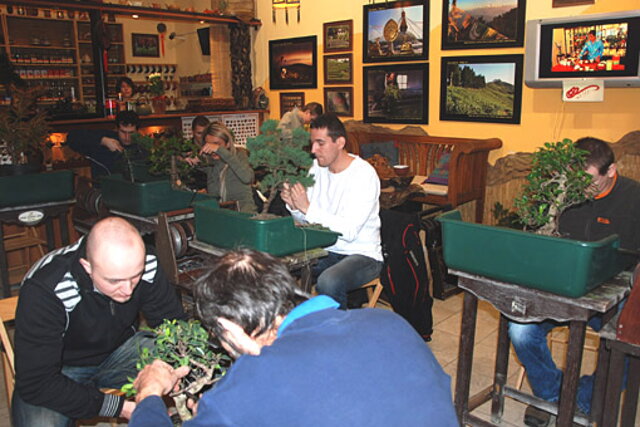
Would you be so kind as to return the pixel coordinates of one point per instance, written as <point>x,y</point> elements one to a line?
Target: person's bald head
<point>115,258</point>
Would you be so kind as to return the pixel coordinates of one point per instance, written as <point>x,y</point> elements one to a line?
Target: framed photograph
<point>145,45</point>
<point>482,24</point>
<point>396,93</point>
<point>338,69</point>
<point>339,100</point>
<point>289,100</point>
<point>396,31</point>
<point>337,36</point>
<point>293,63</point>
<point>481,89</point>
<point>564,3</point>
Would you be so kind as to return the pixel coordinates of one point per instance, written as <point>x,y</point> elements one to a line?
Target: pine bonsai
<point>556,182</point>
<point>182,343</point>
<point>282,159</point>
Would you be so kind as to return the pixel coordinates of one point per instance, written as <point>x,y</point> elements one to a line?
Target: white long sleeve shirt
<point>346,202</point>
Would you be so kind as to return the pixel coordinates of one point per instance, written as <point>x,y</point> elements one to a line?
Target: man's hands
<point>157,379</point>
<point>209,148</point>
<point>127,409</point>
<point>111,143</point>
<point>295,196</point>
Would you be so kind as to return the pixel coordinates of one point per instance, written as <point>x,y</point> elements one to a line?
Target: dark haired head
<point>127,118</point>
<point>332,123</point>
<point>200,121</point>
<point>593,33</point>
<point>249,288</point>
<point>128,81</point>
<point>314,108</point>
<point>600,153</point>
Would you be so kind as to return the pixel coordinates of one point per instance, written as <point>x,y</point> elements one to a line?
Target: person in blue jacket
<point>300,360</point>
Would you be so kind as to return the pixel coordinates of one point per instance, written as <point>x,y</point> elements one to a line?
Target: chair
<point>7,313</point>
<point>374,290</point>
<point>23,241</point>
<point>561,336</point>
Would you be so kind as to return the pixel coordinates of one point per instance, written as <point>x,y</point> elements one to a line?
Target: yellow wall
<point>544,116</point>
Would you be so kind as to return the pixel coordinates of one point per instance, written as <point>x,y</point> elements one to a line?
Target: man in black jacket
<point>104,147</point>
<point>76,325</point>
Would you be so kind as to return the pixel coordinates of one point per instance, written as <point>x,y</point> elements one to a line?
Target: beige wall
<point>544,116</point>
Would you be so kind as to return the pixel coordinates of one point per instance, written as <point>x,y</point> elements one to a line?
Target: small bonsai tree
<point>182,343</point>
<point>23,127</point>
<point>282,159</point>
<point>556,182</point>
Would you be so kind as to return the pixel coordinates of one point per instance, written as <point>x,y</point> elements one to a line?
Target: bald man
<point>76,325</point>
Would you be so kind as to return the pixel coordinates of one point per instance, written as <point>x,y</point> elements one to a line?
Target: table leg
<point>571,374</point>
<point>305,278</point>
<point>4,268</point>
<point>502,365</point>
<point>465,354</point>
<point>48,225</point>
<point>64,228</point>
<point>630,405</point>
<point>602,370</point>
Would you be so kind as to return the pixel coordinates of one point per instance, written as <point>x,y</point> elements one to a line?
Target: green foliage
<point>184,343</point>
<point>162,154</point>
<point>283,159</point>
<point>556,182</point>
<point>494,100</point>
<point>505,217</point>
<point>156,85</point>
<point>23,127</point>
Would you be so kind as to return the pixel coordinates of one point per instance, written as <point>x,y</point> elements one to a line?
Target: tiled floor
<point>447,315</point>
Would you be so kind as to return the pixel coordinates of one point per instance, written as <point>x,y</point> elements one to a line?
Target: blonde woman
<point>229,175</point>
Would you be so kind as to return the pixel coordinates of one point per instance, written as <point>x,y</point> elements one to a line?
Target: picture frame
<point>146,45</point>
<point>396,93</point>
<point>338,69</point>
<point>470,85</point>
<point>339,100</point>
<point>482,24</point>
<point>565,3</point>
<point>293,63</point>
<point>289,100</point>
<point>396,31</point>
<point>337,36</point>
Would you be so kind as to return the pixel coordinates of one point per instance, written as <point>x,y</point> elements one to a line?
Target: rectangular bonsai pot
<point>279,236</point>
<point>146,198</point>
<point>32,188</point>
<point>553,264</point>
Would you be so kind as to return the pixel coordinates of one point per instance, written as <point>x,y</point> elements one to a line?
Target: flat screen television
<point>603,46</point>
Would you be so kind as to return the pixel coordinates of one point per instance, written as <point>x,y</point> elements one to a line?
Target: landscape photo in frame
<point>481,88</point>
<point>396,31</point>
<point>338,69</point>
<point>293,63</point>
<point>479,24</point>
<point>338,36</point>
<point>396,93</point>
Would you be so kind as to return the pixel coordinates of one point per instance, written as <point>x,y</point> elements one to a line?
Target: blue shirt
<point>593,49</point>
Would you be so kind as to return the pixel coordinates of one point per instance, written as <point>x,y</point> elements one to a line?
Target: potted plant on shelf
<point>184,343</point>
<point>156,88</point>
<point>280,160</point>
<point>24,133</point>
<point>537,257</point>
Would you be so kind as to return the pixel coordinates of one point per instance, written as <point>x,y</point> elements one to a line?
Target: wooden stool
<point>374,289</point>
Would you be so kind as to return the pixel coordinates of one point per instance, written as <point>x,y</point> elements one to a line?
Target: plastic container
<point>229,229</point>
<point>558,265</point>
<point>146,198</point>
<point>33,188</point>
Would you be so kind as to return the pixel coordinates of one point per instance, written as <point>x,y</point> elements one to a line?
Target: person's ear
<point>86,265</point>
<point>611,172</point>
<point>238,338</point>
<point>341,141</point>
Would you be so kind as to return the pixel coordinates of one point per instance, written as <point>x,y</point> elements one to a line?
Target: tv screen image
<point>603,46</point>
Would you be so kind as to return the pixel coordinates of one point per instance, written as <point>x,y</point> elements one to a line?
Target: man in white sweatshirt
<point>344,198</point>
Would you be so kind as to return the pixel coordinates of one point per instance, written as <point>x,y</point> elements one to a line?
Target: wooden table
<point>527,305</point>
<point>50,210</point>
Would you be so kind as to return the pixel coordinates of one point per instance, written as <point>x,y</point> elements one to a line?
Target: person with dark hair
<point>297,118</point>
<point>198,127</point>
<point>104,147</point>
<point>593,48</point>
<point>125,88</point>
<point>615,209</point>
<point>76,325</point>
<point>343,198</point>
<point>299,360</point>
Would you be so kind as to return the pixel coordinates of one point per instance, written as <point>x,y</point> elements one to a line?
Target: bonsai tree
<point>556,182</point>
<point>184,343</point>
<point>23,127</point>
<point>282,159</point>
<point>164,153</point>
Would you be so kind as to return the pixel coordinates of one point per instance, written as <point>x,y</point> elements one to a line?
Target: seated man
<point>615,209</point>
<point>297,118</point>
<point>76,325</point>
<point>104,147</point>
<point>344,198</point>
<point>301,361</point>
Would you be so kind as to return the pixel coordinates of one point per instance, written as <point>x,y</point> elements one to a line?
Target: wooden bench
<point>467,167</point>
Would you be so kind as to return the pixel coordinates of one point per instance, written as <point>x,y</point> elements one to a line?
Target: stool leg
<point>465,355</point>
